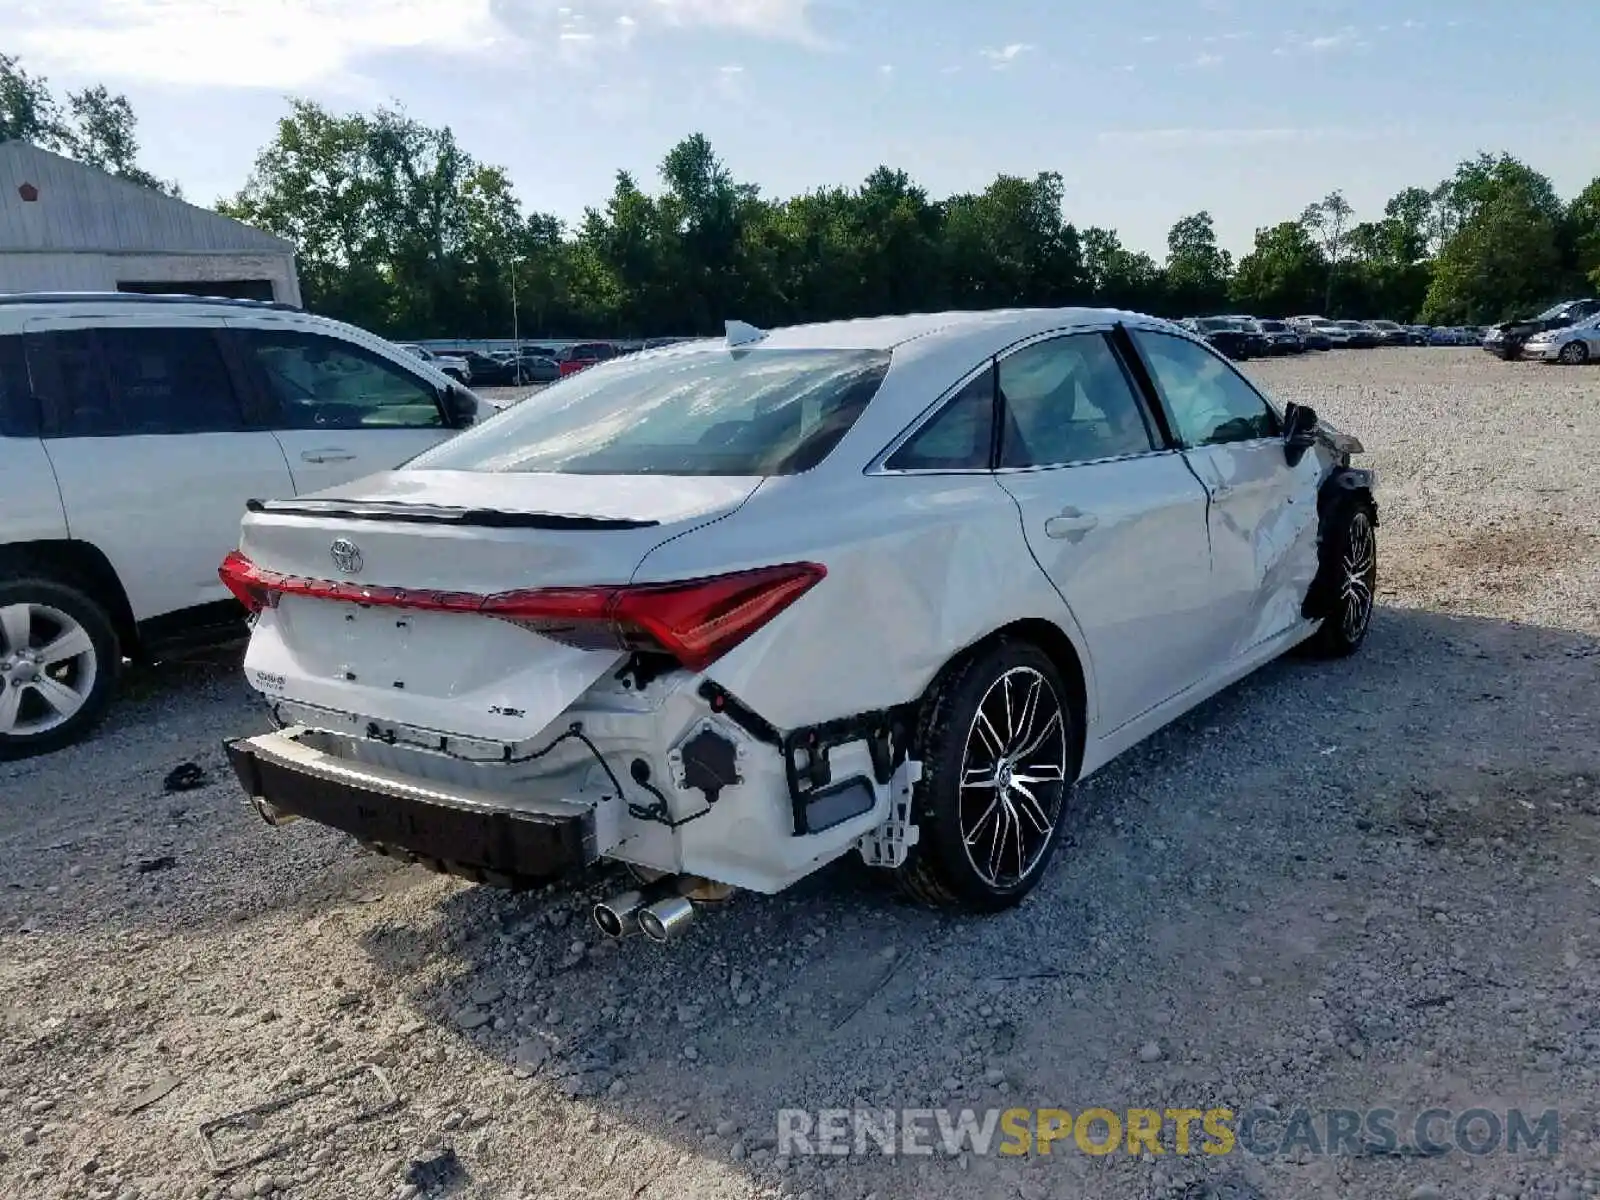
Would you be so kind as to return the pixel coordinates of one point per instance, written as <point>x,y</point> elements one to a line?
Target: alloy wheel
<point>48,668</point>
<point>1360,570</point>
<point>1574,353</point>
<point>1013,777</point>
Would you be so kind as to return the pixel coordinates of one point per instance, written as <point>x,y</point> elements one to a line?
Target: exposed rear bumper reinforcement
<point>459,826</point>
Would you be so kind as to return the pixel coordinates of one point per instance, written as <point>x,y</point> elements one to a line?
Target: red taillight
<point>695,621</point>
<point>241,577</point>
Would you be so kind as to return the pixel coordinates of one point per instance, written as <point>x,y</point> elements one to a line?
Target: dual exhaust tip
<point>658,911</point>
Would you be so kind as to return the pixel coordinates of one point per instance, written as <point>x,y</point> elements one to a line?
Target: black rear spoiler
<point>435,514</point>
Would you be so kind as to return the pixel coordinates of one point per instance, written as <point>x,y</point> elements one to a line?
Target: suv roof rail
<point>9,298</point>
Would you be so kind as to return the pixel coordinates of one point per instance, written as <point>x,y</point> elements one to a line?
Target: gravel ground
<point>1366,884</point>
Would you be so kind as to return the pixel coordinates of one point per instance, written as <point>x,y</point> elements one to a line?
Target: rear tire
<point>1349,578</point>
<point>59,663</point>
<point>997,739</point>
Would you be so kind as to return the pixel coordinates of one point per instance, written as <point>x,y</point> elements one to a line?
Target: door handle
<point>1071,522</point>
<point>1222,491</point>
<point>326,456</point>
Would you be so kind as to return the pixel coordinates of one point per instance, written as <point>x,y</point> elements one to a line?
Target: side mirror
<point>1299,432</point>
<point>460,406</point>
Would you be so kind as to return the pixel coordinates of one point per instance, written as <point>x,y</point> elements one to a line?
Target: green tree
<point>1504,259</point>
<point>99,127</point>
<point>1285,274</point>
<point>1328,220</point>
<point>1197,270</point>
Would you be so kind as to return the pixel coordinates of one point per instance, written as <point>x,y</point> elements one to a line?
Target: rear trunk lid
<point>455,532</point>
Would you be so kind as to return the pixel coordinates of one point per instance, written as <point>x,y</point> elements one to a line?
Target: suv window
<point>134,380</point>
<point>19,415</point>
<point>1210,403</point>
<point>718,412</point>
<point>1068,400</point>
<point>323,383</point>
<point>960,436</point>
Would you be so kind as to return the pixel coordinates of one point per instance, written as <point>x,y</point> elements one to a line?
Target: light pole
<point>516,332</point>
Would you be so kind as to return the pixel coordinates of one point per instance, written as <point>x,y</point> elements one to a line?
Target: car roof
<point>136,300</point>
<point>886,333</point>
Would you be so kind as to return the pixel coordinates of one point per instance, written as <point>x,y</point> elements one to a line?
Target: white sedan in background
<point>1574,345</point>
<point>729,610</point>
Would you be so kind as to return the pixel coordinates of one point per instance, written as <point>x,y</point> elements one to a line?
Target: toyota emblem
<point>346,555</point>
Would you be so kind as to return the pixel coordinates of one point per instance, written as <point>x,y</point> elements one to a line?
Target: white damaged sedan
<point>729,610</point>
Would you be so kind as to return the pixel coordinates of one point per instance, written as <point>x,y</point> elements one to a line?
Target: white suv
<point>133,431</point>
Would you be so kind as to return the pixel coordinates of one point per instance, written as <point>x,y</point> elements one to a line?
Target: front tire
<point>1574,354</point>
<point>1349,579</point>
<point>59,662</point>
<point>998,742</point>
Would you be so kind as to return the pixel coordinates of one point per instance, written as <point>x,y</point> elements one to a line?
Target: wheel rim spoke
<point>57,695</point>
<point>16,626</point>
<point>10,707</point>
<point>72,643</point>
<point>978,777</point>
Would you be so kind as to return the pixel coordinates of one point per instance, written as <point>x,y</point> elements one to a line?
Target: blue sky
<point>1248,108</point>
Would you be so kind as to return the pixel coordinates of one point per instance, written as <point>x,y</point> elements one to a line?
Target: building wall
<point>90,271</point>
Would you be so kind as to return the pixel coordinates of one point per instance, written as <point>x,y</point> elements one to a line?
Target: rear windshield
<point>721,412</point>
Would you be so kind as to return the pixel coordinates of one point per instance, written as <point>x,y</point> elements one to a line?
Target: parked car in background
<point>1225,334</point>
<point>1335,334</point>
<point>1359,335</point>
<point>1391,333</point>
<point>1260,344</point>
<point>452,365</point>
<point>1282,338</point>
<point>134,429</point>
<point>712,614</point>
<point>1572,345</point>
<point>488,370</point>
<point>584,354</point>
<point>1507,338</point>
<point>1421,335</point>
<point>537,368</point>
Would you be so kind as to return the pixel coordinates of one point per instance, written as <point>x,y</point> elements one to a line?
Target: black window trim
<point>21,417</point>
<point>271,411</point>
<point>1165,408</point>
<point>1140,381</point>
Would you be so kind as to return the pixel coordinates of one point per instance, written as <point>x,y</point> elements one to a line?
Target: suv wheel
<point>59,660</point>
<point>997,740</point>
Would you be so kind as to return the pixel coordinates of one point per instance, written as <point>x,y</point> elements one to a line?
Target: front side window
<point>959,438</point>
<point>322,383</point>
<point>131,381</point>
<point>712,412</point>
<point>1068,400</point>
<point>1209,402</point>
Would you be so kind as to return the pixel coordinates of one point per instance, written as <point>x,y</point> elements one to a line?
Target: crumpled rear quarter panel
<point>919,567</point>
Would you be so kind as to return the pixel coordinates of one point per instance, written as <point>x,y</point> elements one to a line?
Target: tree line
<point>401,230</point>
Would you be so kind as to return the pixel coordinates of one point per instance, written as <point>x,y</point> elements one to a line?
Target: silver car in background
<point>1574,345</point>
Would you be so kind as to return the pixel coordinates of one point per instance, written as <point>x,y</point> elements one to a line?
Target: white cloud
<point>1212,138</point>
<point>1006,55</point>
<point>293,45</point>
<point>1207,60</point>
<point>1322,43</point>
<point>886,69</point>
<point>288,44</point>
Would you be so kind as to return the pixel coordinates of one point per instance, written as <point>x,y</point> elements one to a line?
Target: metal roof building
<point>68,227</point>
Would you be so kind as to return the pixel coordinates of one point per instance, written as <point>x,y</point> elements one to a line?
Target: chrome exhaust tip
<point>666,920</point>
<point>272,814</point>
<point>619,916</point>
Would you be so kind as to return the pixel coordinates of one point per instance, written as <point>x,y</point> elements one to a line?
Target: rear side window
<point>19,415</point>
<point>1068,400</point>
<point>713,412</point>
<point>959,438</point>
<point>134,381</point>
<point>322,383</point>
